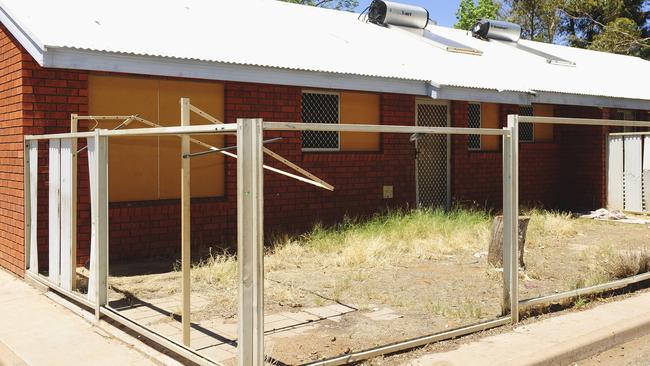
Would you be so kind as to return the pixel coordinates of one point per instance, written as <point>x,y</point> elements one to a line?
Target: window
<point>474,121</point>
<point>344,107</point>
<point>320,107</point>
<point>627,115</point>
<point>147,168</point>
<point>526,130</point>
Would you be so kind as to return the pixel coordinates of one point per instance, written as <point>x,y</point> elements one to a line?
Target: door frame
<point>446,103</point>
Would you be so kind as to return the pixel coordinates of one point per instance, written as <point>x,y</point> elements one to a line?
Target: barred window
<point>526,130</point>
<point>320,107</point>
<point>474,121</point>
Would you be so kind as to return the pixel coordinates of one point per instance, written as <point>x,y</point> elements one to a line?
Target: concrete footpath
<point>36,331</point>
<point>560,340</point>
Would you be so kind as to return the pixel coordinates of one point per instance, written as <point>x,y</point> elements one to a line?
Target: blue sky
<point>442,11</point>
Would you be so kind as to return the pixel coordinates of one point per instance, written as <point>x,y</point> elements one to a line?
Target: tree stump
<point>495,251</point>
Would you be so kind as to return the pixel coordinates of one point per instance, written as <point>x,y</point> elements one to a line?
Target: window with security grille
<point>526,130</point>
<point>628,115</point>
<point>474,121</point>
<point>320,107</point>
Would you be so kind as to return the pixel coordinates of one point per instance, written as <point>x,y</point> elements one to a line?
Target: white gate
<point>628,172</point>
<point>432,163</point>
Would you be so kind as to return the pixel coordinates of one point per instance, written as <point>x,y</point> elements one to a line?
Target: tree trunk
<point>495,251</point>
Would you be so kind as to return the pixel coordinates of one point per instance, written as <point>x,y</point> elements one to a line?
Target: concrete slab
<point>40,332</point>
<point>560,340</point>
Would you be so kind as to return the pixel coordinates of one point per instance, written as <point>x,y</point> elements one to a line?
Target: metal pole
<point>74,127</point>
<point>250,239</point>
<point>513,124</point>
<point>507,219</point>
<point>185,222</point>
<point>101,220</point>
<point>27,203</point>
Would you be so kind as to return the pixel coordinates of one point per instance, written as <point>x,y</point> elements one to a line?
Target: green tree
<point>540,20</point>
<point>583,20</point>
<point>468,12</point>
<point>348,5</point>
<point>486,9</point>
<point>622,36</point>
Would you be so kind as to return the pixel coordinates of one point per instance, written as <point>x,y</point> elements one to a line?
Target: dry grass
<point>547,226</point>
<point>385,240</point>
<point>607,263</point>
<point>355,250</point>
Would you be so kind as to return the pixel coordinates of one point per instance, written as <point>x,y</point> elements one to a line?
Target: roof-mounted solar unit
<point>403,15</point>
<point>553,60</point>
<point>496,29</point>
<point>449,45</point>
<point>510,34</point>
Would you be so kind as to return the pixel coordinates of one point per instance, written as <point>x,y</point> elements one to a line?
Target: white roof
<point>281,43</point>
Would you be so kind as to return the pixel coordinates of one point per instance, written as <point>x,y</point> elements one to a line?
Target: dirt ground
<point>373,305</point>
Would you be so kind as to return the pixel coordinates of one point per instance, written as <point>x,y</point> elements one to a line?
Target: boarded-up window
<point>148,168</point>
<point>344,107</point>
<point>360,108</point>
<point>483,115</point>
<point>490,119</point>
<point>543,132</point>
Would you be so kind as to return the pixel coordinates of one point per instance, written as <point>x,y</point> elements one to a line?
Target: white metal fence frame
<point>547,299</point>
<point>628,172</point>
<point>250,201</point>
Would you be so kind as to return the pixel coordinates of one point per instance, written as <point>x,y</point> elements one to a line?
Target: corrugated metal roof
<point>274,34</point>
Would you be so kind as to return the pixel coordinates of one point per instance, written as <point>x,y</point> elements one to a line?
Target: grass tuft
<point>388,239</point>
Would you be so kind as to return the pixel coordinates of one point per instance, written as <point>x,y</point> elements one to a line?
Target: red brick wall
<point>582,158</point>
<point>567,173</point>
<point>290,206</point>
<point>11,154</point>
<point>32,101</point>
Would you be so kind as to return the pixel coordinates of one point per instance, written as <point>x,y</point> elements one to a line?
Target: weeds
<point>384,240</point>
<point>467,309</point>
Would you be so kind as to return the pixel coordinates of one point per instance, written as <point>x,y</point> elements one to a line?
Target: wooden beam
<point>300,170</point>
<point>205,115</point>
<point>312,178</point>
<point>185,222</point>
<point>250,242</point>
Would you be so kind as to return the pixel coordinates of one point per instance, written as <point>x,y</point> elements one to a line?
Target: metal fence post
<point>101,220</point>
<point>507,219</point>
<point>513,125</point>
<point>250,241</point>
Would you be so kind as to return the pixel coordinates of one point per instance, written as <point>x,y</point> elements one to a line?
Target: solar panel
<point>551,59</point>
<point>449,45</point>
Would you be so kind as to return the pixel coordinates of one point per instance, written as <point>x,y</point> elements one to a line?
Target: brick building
<point>84,61</point>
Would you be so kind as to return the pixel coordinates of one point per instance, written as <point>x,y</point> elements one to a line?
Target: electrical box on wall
<point>388,192</point>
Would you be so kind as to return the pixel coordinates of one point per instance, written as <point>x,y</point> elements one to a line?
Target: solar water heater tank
<point>497,29</point>
<point>404,15</point>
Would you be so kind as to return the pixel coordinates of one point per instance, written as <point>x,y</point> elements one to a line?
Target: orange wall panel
<point>489,119</point>
<point>360,108</point>
<point>207,178</point>
<point>133,161</point>
<point>148,168</point>
<point>543,132</point>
